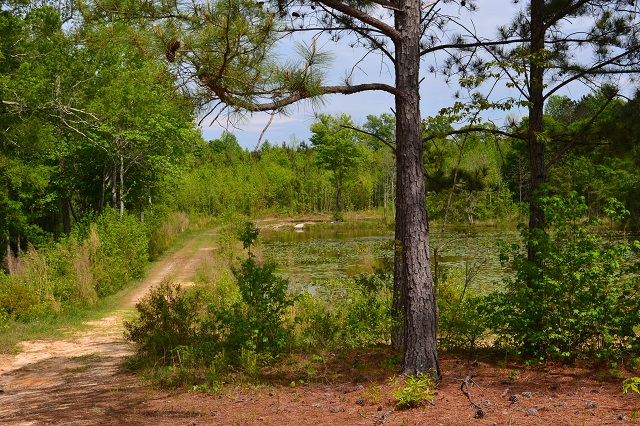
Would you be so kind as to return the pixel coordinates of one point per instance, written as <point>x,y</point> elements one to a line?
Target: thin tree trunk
<point>384,194</point>
<point>66,215</point>
<point>121,185</point>
<point>10,260</point>
<point>103,193</point>
<point>420,336</point>
<point>114,186</point>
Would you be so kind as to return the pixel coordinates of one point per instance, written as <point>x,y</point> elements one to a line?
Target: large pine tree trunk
<point>420,332</point>
<point>399,293</point>
<point>536,111</point>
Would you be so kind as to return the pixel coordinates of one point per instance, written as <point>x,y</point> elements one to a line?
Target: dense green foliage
<point>92,262</point>
<point>337,150</point>
<point>255,323</point>
<point>580,295</point>
<point>284,179</point>
<point>255,319</point>
<point>352,312</point>
<point>166,322</point>
<point>88,122</point>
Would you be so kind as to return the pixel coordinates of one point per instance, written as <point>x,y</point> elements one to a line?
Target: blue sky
<point>435,94</point>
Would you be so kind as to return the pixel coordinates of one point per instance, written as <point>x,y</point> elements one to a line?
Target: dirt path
<point>78,380</point>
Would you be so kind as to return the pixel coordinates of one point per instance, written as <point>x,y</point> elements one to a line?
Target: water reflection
<point>320,253</point>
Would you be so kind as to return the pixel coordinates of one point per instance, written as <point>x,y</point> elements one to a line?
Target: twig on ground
<point>465,387</point>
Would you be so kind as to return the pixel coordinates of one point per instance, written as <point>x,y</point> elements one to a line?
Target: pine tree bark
<point>420,326</point>
<point>399,293</point>
<point>536,111</point>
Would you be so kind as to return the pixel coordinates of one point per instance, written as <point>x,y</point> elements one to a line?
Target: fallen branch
<point>465,387</point>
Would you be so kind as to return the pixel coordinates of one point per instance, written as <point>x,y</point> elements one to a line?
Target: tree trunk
<point>66,215</point>
<point>103,190</point>
<point>114,186</point>
<point>536,111</point>
<point>399,293</point>
<point>10,260</point>
<point>65,211</point>
<point>420,335</point>
<point>121,185</point>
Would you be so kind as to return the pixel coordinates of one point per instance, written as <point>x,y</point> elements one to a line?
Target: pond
<point>308,256</point>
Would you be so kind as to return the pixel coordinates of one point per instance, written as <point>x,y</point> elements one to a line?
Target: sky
<point>435,93</point>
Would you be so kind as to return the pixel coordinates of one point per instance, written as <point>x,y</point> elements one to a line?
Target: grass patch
<point>73,321</point>
<point>74,318</point>
<point>86,357</point>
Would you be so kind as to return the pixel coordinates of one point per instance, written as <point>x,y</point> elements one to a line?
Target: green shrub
<point>17,299</point>
<point>164,228</point>
<point>579,296</point>
<point>257,322</point>
<point>123,251</point>
<point>414,392</point>
<point>97,259</point>
<point>462,324</point>
<point>352,312</point>
<point>168,319</point>
<point>632,383</point>
<point>316,324</point>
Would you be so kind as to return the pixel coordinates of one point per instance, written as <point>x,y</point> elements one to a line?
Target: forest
<point>103,163</point>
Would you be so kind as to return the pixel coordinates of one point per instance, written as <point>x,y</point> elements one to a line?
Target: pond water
<point>308,256</point>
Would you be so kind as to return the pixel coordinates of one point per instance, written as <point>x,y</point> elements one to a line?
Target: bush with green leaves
<point>414,392</point>
<point>258,321</point>
<point>98,259</point>
<point>123,251</point>
<point>351,312</point>
<point>580,295</point>
<point>167,320</point>
<point>462,324</point>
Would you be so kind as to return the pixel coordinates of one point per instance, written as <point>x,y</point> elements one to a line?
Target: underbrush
<point>242,320</point>
<point>57,283</point>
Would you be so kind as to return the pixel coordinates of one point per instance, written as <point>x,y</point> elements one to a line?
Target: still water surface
<point>312,255</point>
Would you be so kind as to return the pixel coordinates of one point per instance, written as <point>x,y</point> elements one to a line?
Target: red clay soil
<point>352,389</point>
<point>345,389</point>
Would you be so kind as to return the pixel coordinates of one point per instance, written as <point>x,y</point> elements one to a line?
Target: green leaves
<point>335,142</point>
<point>415,391</point>
<point>257,322</point>
<point>578,298</point>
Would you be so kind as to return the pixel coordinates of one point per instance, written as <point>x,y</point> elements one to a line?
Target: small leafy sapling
<point>248,235</point>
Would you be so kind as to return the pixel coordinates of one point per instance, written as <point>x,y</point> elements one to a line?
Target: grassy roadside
<point>75,318</point>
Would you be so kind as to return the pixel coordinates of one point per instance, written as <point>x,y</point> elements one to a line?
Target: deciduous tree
<point>336,147</point>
